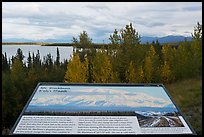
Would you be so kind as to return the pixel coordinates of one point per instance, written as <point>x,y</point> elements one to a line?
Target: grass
<point>187,94</point>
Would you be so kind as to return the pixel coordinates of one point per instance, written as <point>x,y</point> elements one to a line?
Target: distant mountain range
<point>144,39</point>
<point>166,39</point>
<point>76,108</point>
<point>30,40</point>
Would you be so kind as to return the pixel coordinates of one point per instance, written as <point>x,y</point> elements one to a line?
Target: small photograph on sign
<point>159,118</point>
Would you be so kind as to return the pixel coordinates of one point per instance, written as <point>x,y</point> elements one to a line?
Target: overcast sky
<point>59,20</point>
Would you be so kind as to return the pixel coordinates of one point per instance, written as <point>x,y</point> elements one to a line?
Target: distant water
<point>65,52</point>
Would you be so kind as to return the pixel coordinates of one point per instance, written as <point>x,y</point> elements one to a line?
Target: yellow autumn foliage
<point>76,70</point>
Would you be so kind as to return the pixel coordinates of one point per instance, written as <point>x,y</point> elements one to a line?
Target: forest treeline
<point>125,60</point>
<point>128,61</point>
<point>23,43</point>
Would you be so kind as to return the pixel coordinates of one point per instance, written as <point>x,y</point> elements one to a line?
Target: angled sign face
<point>59,108</point>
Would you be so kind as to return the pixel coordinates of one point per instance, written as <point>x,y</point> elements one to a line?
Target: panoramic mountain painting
<point>150,104</point>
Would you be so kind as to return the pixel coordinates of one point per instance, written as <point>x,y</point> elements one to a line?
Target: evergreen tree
<point>37,58</point>
<point>115,38</point>
<point>29,61</point>
<point>11,105</point>
<point>197,34</point>
<point>17,72</point>
<point>48,62</point>
<point>181,63</point>
<point>126,51</point>
<point>33,58</point>
<point>5,65</point>
<point>130,36</point>
<point>195,58</point>
<point>19,54</point>
<point>158,48</point>
<point>196,49</point>
<point>84,40</point>
<point>127,37</point>
<point>58,58</point>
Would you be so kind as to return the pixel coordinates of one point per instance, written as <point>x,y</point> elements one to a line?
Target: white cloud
<point>37,20</point>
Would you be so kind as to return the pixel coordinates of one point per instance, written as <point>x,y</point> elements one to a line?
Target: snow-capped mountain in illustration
<point>154,113</point>
<point>101,98</point>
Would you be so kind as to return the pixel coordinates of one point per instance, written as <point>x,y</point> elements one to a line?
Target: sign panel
<point>59,108</point>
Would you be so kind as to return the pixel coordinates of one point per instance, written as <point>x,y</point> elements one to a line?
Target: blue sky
<point>59,20</point>
<point>81,90</point>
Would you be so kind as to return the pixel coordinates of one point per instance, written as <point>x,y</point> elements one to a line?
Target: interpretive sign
<point>60,108</point>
